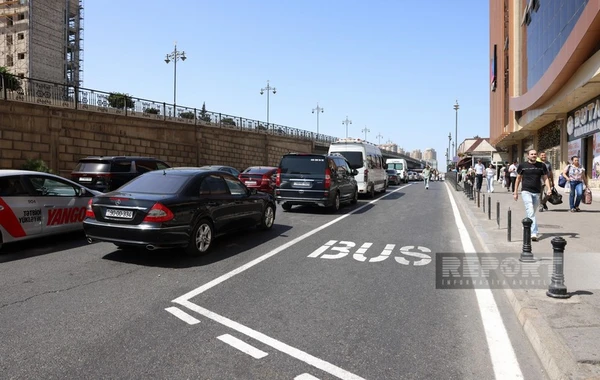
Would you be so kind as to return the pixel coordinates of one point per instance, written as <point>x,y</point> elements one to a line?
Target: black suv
<point>107,173</point>
<point>315,179</point>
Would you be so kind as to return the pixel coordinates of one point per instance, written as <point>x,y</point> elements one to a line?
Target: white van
<point>367,159</point>
<point>399,164</point>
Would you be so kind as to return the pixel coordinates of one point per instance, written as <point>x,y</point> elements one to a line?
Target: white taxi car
<point>34,204</point>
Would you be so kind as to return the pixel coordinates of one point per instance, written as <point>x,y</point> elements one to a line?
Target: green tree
<point>153,111</point>
<point>228,121</point>
<point>36,165</point>
<point>11,81</point>
<point>204,116</point>
<point>119,100</point>
<point>187,115</point>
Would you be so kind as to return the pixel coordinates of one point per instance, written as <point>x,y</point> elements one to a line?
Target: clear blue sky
<point>393,66</point>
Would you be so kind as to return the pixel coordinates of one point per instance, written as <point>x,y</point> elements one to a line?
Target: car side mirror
<point>354,172</point>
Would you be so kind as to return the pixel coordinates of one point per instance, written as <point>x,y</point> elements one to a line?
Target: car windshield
<point>93,167</point>
<point>156,184</point>
<point>257,170</point>
<point>303,165</point>
<point>355,159</point>
<point>397,166</point>
<point>393,172</point>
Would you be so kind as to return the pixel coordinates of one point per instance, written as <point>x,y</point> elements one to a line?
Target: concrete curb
<point>550,348</point>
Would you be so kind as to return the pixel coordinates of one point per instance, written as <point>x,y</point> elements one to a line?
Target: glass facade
<point>550,25</point>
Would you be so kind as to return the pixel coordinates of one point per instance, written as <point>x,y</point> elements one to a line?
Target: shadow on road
<point>41,246</point>
<point>222,248</point>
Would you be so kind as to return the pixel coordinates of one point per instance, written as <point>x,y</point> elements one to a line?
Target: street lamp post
<point>318,110</point>
<point>175,56</point>
<point>347,122</point>
<point>268,89</point>
<point>379,136</point>
<point>365,130</point>
<point>456,127</point>
<point>449,152</point>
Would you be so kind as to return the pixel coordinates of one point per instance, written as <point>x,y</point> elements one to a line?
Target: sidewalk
<point>565,333</point>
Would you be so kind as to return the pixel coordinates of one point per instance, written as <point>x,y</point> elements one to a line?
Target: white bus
<point>399,164</point>
<point>367,159</point>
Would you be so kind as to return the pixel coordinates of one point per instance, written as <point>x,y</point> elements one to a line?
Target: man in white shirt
<point>512,170</point>
<point>479,169</point>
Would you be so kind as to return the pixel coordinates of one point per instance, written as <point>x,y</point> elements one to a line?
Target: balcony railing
<point>35,91</point>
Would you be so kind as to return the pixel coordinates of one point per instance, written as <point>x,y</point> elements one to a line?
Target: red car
<point>260,178</point>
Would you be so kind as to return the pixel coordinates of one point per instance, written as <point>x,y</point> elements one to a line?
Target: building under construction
<point>43,39</point>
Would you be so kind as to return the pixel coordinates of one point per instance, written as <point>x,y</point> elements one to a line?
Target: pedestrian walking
<point>543,203</point>
<point>531,174</point>
<point>426,174</point>
<point>490,173</point>
<point>512,171</point>
<point>479,169</point>
<point>575,174</point>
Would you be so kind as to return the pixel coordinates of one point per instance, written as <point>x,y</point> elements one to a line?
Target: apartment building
<point>43,39</point>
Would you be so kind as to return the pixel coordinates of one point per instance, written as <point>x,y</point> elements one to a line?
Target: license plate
<point>302,184</point>
<point>119,214</point>
<point>250,182</point>
<point>85,179</point>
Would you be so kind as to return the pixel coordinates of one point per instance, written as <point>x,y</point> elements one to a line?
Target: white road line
<point>279,346</point>
<point>305,376</point>
<point>242,346</point>
<point>182,315</point>
<point>502,353</point>
<point>275,251</point>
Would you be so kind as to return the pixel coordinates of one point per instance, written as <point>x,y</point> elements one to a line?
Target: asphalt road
<point>349,295</point>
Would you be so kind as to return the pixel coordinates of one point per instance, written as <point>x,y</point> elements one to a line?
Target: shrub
<point>36,165</point>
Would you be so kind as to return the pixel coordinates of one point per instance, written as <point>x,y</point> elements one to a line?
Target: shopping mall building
<point>545,80</point>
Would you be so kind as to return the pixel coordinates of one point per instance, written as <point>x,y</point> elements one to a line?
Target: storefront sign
<point>584,121</point>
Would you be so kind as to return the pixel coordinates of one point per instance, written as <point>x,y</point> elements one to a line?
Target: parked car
<point>260,178</point>
<point>36,204</point>
<point>107,173</point>
<point>177,207</point>
<point>223,168</point>
<point>316,180</point>
<point>393,177</point>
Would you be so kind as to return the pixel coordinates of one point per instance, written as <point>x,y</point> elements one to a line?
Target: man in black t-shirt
<point>531,174</point>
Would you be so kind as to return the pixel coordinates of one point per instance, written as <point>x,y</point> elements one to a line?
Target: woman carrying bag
<point>575,174</point>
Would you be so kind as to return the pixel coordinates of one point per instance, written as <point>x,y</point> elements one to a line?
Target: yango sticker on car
<point>9,221</point>
<point>65,215</point>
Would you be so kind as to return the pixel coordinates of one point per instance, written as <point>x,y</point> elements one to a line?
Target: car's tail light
<point>278,178</point>
<point>89,212</point>
<point>366,179</point>
<point>159,213</point>
<point>266,178</point>
<point>327,178</point>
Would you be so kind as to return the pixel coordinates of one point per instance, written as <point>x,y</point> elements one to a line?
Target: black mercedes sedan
<point>177,207</point>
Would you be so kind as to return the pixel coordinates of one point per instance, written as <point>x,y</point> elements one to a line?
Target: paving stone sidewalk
<point>565,333</point>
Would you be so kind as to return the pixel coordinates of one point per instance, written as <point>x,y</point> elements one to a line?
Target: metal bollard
<point>526,255</point>
<point>490,208</point>
<point>498,214</point>
<point>509,221</point>
<point>483,202</point>
<point>557,288</point>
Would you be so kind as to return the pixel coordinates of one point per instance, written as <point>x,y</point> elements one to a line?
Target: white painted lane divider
<point>279,346</point>
<point>273,252</point>
<point>182,315</point>
<point>242,346</point>
<point>305,376</point>
<point>502,353</point>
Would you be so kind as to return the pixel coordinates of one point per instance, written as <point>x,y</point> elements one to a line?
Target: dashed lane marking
<point>182,315</point>
<point>242,346</point>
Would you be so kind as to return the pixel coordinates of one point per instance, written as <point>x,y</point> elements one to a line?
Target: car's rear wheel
<point>268,218</point>
<point>336,202</point>
<point>354,197</point>
<point>201,238</point>
<point>286,206</point>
